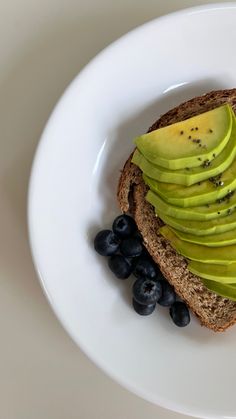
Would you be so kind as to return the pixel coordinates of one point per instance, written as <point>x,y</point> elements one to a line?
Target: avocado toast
<point>214,310</point>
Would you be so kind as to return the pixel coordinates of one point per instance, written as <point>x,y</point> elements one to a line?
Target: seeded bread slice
<point>213,311</point>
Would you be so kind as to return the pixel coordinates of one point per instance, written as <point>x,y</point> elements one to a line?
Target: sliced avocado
<point>214,240</point>
<point>206,192</point>
<point>219,273</point>
<point>190,176</point>
<point>174,147</point>
<point>201,228</point>
<point>224,290</point>
<point>219,209</point>
<point>218,255</point>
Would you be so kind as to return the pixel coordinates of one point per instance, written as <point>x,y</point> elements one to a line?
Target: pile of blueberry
<point>127,255</point>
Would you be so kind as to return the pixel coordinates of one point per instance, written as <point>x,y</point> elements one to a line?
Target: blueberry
<point>120,266</point>
<point>160,276</point>
<point>131,247</point>
<point>146,254</point>
<point>124,226</point>
<point>138,236</point>
<point>142,309</point>
<point>106,243</point>
<point>180,314</point>
<point>146,291</point>
<point>145,268</point>
<point>168,295</point>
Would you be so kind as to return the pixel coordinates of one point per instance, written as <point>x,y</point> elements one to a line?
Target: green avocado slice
<point>201,228</point>
<point>174,147</point>
<point>219,209</point>
<point>225,274</point>
<point>218,255</point>
<point>214,240</point>
<point>189,176</point>
<point>224,290</point>
<point>206,192</point>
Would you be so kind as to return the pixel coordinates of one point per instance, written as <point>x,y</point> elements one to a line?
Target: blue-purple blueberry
<point>180,314</point>
<point>106,243</point>
<point>147,291</point>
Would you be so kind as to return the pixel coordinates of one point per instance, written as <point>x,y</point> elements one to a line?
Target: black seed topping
<point>199,158</point>
<point>206,163</point>
<point>225,198</point>
<point>181,132</point>
<point>229,194</point>
<point>216,180</point>
<point>189,137</point>
<point>210,130</point>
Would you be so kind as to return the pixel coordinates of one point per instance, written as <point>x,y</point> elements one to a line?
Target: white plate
<point>73,195</point>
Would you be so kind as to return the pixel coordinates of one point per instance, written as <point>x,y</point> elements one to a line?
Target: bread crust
<point>213,311</point>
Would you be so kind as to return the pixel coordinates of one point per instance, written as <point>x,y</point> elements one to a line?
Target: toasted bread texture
<point>215,312</point>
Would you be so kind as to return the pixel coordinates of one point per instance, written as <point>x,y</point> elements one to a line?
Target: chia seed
<point>206,163</point>
<point>216,180</point>
<point>226,197</point>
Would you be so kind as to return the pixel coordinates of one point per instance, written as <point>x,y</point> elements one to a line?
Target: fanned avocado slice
<point>206,192</point>
<point>173,146</point>
<point>214,240</point>
<point>219,255</point>
<point>221,208</point>
<point>224,290</point>
<point>201,228</point>
<point>226,274</point>
<point>190,176</point>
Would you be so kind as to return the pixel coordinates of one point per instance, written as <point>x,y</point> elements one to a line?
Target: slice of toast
<point>213,311</point>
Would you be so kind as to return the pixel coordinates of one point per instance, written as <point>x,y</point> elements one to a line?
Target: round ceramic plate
<point>73,194</point>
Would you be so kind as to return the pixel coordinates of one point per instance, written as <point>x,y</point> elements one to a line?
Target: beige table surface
<point>43,45</point>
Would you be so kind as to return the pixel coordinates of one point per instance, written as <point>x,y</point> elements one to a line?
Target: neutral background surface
<point>43,45</point>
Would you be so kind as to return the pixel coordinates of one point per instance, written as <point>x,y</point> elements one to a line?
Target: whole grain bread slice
<point>213,311</point>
